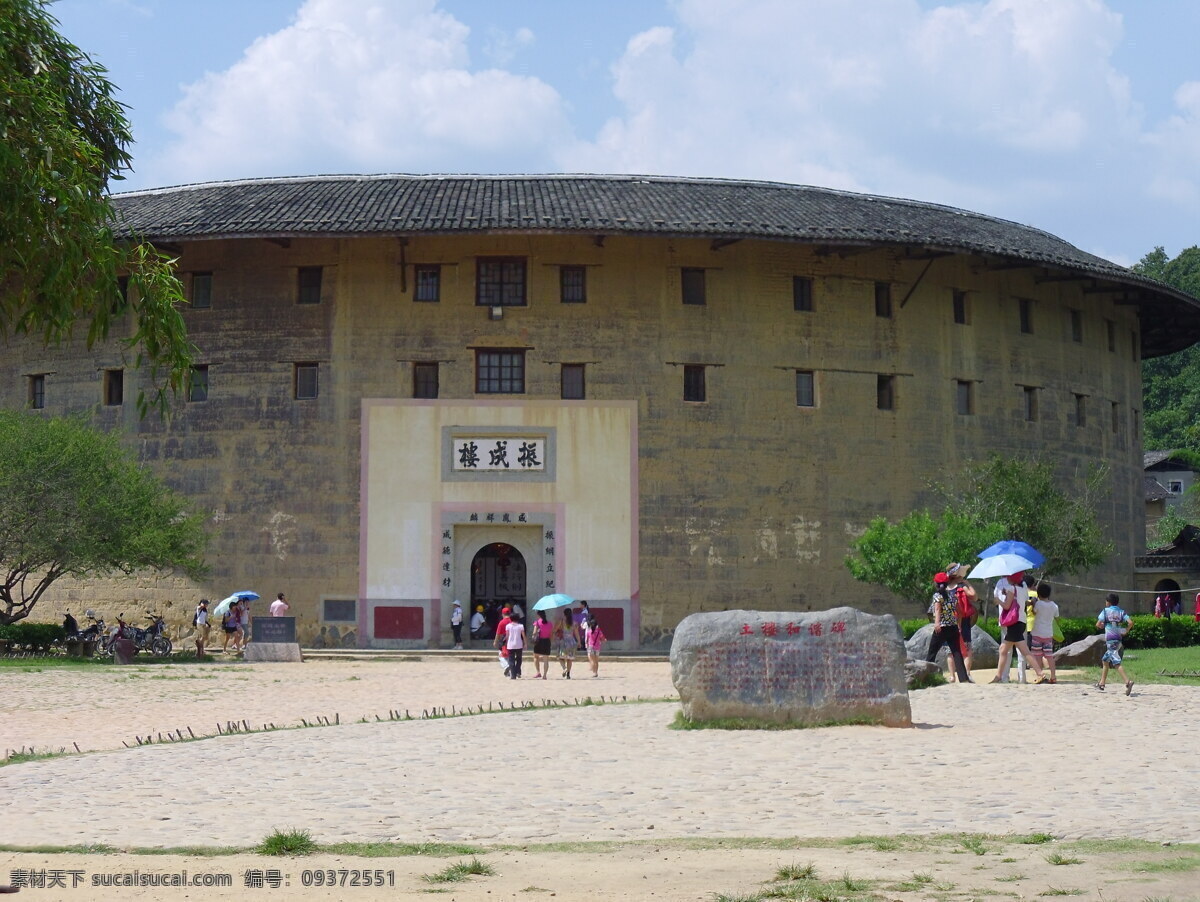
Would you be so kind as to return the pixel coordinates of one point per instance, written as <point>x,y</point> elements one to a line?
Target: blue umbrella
<point>1012,546</point>
<point>550,602</point>
<point>1000,565</point>
<point>225,603</point>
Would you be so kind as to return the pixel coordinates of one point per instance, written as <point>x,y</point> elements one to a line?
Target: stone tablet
<point>816,667</point>
<point>273,629</point>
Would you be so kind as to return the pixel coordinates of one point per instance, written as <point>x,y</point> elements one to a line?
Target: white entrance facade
<point>441,480</point>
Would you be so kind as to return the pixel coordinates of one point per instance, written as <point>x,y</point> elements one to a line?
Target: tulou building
<point>659,395</point>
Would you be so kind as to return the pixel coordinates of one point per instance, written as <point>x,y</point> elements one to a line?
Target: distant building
<point>659,395</point>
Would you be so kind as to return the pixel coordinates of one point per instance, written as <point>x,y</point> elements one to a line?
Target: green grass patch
<point>974,844</point>
<point>796,872</point>
<point>1055,891</point>
<point>1035,839</point>
<point>287,842</point>
<point>1059,858</point>
<point>745,723</point>
<point>20,757</point>
<point>460,871</point>
<point>928,680</point>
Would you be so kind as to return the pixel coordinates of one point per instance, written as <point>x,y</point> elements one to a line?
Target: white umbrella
<point>1000,565</point>
<point>224,604</point>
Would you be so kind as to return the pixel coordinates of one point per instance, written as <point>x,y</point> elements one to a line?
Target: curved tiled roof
<point>346,205</point>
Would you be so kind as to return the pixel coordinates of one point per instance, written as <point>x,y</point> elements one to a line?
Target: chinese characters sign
<point>498,454</point>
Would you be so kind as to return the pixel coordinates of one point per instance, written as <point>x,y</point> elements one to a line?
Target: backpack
<point>965,608</point>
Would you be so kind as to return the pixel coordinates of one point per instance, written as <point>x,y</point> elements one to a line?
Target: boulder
<point>985,651</point>
<point>915,670</point>
<point>1084,653</point>
<point>807,668</point>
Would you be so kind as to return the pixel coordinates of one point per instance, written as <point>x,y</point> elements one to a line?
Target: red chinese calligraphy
<point>814,629</point>
<point>746,631</point>
<point>792,629</point>
<point>839,627</point>
<point>768,629</point>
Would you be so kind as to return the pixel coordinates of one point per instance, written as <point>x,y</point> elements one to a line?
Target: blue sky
<point>1080,117</point>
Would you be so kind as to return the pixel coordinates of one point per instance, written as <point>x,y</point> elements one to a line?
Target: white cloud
<point>360,85</point>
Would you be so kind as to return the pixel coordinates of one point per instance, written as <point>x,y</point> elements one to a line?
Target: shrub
<point>35,636</point>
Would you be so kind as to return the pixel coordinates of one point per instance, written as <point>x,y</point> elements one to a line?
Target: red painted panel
<point>400,623</point>
<point>612,621</point>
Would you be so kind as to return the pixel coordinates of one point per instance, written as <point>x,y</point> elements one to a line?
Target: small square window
<point>573,386</point>
<point>114,388</point>
<point>1115,417</point>
<point>499,372</point>
<point>1077,326</point>
<point>123,287</point>
<point>806,389</point>
<point>883,299</point>
<point>1110,329</point>
<point>1030,400</point>
<point>960,307</point>
<point>1025,310</point>
<point>308,284</point>
<point>964,397</point>
<point>198,385</point>
<point>304,381</point>
<point>1136,421</point>
<point>885,392</point>
<point>691,279</point>
<point>37,391</point>
<point>1175,486</point>
<point>572,284</point>
<point>201,296</point>
<point>694,388</point>
<point>1080,410</point>
<point>500,282</point>
<point>802,294</point>
<point>425,380</point>
<point>428,289</point>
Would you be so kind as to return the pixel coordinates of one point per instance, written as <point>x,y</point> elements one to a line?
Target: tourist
<point>478,623</point>
<point>200,620</point>
<point>280,607</point>
<point>243,633</point>
<point>594,639</point>
<point>1115,623</point>
<point>966,597</point>
<point>456,621</point>
<point>1012,596</point>
<point>229,626</point>
<point>945,625</point>
<point>542,631</point>
<point>1196,615</point>
<point>566,635</point>
<point>515,640</point>
<point>501,640</point>
<point>582,616</point>
<point>1041,633</point>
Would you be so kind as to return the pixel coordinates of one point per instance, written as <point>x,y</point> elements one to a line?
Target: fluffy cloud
<point>362,85</point>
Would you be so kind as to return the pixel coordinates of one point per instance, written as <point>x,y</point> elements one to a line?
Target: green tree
<point>1171,384</point>
<point>74,503</point>
<point>1000,498</point>
<point>63,137</point>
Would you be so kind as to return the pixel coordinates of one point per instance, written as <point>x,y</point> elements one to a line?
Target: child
<point>1115,623</point>
<point>594,639</point>
<point>1041,643</point>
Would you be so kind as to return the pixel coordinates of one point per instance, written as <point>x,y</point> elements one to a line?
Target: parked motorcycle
<point>96,631</point>
<point>152,639</point>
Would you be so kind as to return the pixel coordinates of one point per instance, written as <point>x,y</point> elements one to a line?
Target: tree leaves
<point>65,138</point>
<point>74,502</point>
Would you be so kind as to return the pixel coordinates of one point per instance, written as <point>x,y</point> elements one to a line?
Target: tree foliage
<point>74,503</point>
<point>1000,498</point>
<point>63,137</point>
<point>1171,384</point>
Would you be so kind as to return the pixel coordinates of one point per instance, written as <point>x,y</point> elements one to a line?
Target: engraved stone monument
<point>813,667</point>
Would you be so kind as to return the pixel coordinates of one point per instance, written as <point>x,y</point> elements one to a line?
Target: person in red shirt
<point>502,638</point>
<point>1196,616</point>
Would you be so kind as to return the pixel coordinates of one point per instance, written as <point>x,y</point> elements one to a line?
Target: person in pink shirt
<point>280,607</point>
